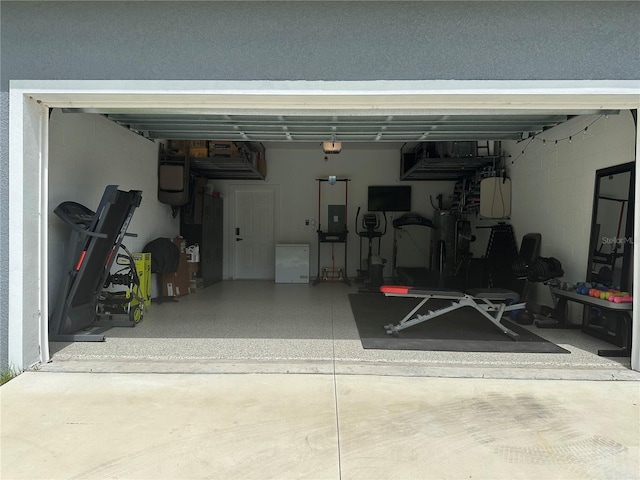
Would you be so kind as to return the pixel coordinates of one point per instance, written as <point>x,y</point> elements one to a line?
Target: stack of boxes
<point>221,149</point>
<point>193,261</point>
<point>218,148</point>
<point>190,148</point>
<point>208,148</point>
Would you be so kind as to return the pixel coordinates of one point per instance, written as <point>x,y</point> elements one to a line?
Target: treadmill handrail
<point>109,192</point>
<point>62,215</point>
<point>87,232</point>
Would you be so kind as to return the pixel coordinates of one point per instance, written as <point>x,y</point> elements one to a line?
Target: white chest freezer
<point>292,263</point>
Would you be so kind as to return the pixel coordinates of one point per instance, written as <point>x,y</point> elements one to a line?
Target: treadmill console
<point>412,219</point>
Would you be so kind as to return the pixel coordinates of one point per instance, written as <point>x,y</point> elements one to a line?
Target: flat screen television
<point>389,198</point>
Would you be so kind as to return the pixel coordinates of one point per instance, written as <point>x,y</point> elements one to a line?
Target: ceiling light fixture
<point>331,147</point>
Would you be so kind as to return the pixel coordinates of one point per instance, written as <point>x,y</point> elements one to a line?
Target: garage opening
<point>246,317</point>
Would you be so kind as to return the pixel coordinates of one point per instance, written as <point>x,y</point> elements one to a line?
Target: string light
<point>568,138</point>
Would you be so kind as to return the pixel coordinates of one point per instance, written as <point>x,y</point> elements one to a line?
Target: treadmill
<point>95,240</point>
<point>412,276</point>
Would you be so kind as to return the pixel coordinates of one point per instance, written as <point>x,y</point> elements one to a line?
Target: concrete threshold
<point>329,367</point>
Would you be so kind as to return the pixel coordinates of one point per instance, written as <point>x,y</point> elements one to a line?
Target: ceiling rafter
<point>346,128</point>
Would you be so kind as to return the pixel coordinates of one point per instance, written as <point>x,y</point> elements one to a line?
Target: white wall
<point>295,170</point>
<point>87,153</point>
<point>553,186</point>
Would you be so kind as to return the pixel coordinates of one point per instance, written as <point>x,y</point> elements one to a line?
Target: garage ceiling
<point>404,132</point>
<point>346,128</point>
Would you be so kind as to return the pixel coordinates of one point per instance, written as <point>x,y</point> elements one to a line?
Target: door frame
<point>30,100</point>
<point>231,237</point>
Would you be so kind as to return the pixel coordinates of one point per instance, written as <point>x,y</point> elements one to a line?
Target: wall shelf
<point>232,168</point>
<point>224,159</point>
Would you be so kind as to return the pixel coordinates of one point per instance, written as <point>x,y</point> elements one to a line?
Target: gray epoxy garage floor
<point>260,326</point>
<point>257,380</point>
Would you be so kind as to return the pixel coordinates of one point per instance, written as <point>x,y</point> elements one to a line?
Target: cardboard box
<point>198,152</point>
<point>193,268</point>
<point>143,269</point>
<point>181,151</point>
<point>181,243</point>
<point>188,143</point>
<point>176,284</point>
<point>219,148</point>
<point>191,148</point>
<point>195,285</point>
<point>177,147</point>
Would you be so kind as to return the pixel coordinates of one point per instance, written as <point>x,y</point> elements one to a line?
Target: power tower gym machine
<point>336,233</point>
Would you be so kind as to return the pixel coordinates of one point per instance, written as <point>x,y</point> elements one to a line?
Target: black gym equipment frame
<point>95,240</point>
<point>370,225</point>
<point>340,236</point>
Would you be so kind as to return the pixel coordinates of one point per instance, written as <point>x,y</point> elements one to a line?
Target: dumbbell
<point>617,294</point>
<point>623,299</point>
<point>607,293</point>
<point>583,289</point>
<point>599,292</point>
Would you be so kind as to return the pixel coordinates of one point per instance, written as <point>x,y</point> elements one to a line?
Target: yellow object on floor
<point>143,269</point>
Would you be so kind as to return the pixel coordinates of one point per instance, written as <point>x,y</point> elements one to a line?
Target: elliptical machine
<point>372,277</point>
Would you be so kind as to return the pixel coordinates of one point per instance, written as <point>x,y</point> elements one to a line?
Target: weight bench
<point>482,300</point>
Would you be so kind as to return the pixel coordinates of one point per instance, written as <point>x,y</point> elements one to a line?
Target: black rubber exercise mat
<point>463,330</point>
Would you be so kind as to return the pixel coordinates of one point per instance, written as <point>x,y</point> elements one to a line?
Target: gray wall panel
<point>307,40</point>
<point>320,40</point>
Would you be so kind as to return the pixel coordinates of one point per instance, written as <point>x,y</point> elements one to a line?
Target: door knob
<point>238,239</point>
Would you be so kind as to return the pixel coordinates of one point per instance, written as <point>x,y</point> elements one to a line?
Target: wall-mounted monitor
<point>389,198</point>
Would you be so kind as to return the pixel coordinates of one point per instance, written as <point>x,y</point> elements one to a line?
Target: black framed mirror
<point>611,246</point>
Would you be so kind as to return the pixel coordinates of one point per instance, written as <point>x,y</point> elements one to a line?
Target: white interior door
<point>254,233</point>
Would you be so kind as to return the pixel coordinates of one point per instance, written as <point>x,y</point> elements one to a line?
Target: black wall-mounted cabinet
<point>211,253</point>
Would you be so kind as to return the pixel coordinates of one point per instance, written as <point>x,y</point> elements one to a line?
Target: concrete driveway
<point>58,425</point>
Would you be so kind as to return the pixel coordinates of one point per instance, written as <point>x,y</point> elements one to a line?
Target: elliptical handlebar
<point>371,232</point>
